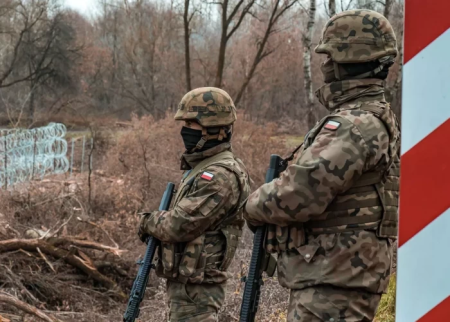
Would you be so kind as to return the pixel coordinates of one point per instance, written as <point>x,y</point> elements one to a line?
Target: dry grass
<point>133,167</point>
<point>386,309</point>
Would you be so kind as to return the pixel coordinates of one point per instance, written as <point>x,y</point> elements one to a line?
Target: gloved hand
<point>142,233</point>
<point>252,225</point>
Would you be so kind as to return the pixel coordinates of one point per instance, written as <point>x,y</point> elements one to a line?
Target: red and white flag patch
<point>332,125</point>
<point>207,176</point>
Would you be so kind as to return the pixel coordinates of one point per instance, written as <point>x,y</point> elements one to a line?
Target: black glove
<point>142,233</point>
<point>251,227</point>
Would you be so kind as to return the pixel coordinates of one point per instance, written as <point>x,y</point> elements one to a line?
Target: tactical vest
<point>376,190</point>
<point>206,259</point>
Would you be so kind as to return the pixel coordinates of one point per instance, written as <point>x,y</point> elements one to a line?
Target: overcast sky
<point>88,7</point>
<point>83,6</point>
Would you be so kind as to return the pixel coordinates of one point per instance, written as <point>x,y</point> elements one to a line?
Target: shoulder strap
<point>208,162</point>
<point>373,108</point>
<point>190,175</point>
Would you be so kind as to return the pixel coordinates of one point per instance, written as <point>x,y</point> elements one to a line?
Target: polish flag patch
<point>332,125</point>
<point>207,176</point>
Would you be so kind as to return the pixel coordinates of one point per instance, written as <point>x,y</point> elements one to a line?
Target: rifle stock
<point>254,280</point>
<point>140,282</point>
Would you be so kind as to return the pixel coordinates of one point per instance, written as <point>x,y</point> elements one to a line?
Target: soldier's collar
<point>190,160</point>
<point>334,94</point>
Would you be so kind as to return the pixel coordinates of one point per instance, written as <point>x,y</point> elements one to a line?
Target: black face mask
<point>191,137</point>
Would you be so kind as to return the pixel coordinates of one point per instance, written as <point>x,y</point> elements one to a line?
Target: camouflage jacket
<point>200,234</point>
<point>323,185</point>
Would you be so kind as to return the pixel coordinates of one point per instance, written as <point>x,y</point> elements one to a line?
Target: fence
<point>27,155</point>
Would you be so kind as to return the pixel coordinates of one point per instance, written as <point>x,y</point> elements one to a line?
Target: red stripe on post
<point>424,22</point>
<point>441,312</point>
<point>424,183</point>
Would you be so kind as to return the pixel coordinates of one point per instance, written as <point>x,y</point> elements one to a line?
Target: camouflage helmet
<point>357,36</point>
<point>208,106</point>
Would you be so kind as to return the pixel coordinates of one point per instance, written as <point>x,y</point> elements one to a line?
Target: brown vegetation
<point>141,56</point>
<point>61,253</point>
<point>75,260</point>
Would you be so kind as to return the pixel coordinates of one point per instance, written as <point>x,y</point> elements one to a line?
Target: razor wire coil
<point>28,154</point>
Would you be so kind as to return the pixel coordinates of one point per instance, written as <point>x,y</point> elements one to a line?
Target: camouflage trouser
<point>331,304</point>
<point>195,302</point>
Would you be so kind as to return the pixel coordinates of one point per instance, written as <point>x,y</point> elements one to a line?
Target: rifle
<point>260,258</point>
<point>140,282</point>
<point>254,279</point>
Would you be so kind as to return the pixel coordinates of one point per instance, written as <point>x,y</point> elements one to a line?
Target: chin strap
<point>384,61</point>
<point>206,136</point>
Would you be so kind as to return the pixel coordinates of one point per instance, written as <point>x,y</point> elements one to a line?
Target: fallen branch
<point>3,319</point>
<point>57,230</point>
<point>17,281</point>
<point>124,124</point>
<point>85,244</point>
<point>67,256</point>
<point>45,259</point>
<point>11,300</point>
<point>101,228</point>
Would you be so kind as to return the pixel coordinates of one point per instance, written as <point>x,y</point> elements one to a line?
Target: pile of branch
<point>69,250</point>
<point>13,301</point>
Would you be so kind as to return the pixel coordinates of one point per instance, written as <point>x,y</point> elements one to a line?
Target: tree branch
<point>14,301</point>
<point>234,12</point>
<point>68,256</point>
<point>241,18</point>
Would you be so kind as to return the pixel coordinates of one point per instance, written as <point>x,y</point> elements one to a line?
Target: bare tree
<point>307,41</point>
<point>40,52</point>
<point>331,8</point>
<point>28,20</point>
<point>187,18</point>
<point>276,13</point>
<point>387,8</point>
<point>50,57</point>
<point>234,19</point>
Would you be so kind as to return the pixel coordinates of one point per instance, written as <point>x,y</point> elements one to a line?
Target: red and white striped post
<point>423,278</point>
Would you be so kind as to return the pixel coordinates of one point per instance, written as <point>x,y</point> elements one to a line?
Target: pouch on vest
<point>193,253</point>
<point>271,239</point>
<point>232,236</point>
<point>280,239</point>
<point>389,198</point>
<point>168,257</point>
<point>297,237</point>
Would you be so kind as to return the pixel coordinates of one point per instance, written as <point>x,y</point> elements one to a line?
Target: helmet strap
<point>336,70</point>
<point>206,136</point>
<point>384,61</point>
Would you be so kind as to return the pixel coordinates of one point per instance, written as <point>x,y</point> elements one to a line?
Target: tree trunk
<point>186,45</point>
<point>400,60</point>
<point>259,54</point>
<point>307,39</point>
<point>31,104</point>
<point>398,83</point>
<point>387,8</point>
<point>223,46</point>
<point>332,7</point>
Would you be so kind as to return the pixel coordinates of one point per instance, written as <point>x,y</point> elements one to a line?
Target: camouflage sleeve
<point>203,207</point>
<point>328,166</point>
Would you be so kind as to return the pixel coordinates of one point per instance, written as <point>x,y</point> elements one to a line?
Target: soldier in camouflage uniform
<point>200,234</point>
<point>332,215</point>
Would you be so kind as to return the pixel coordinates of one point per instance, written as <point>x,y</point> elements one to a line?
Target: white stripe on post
<point>426,92</point>
<point>427,252</point>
